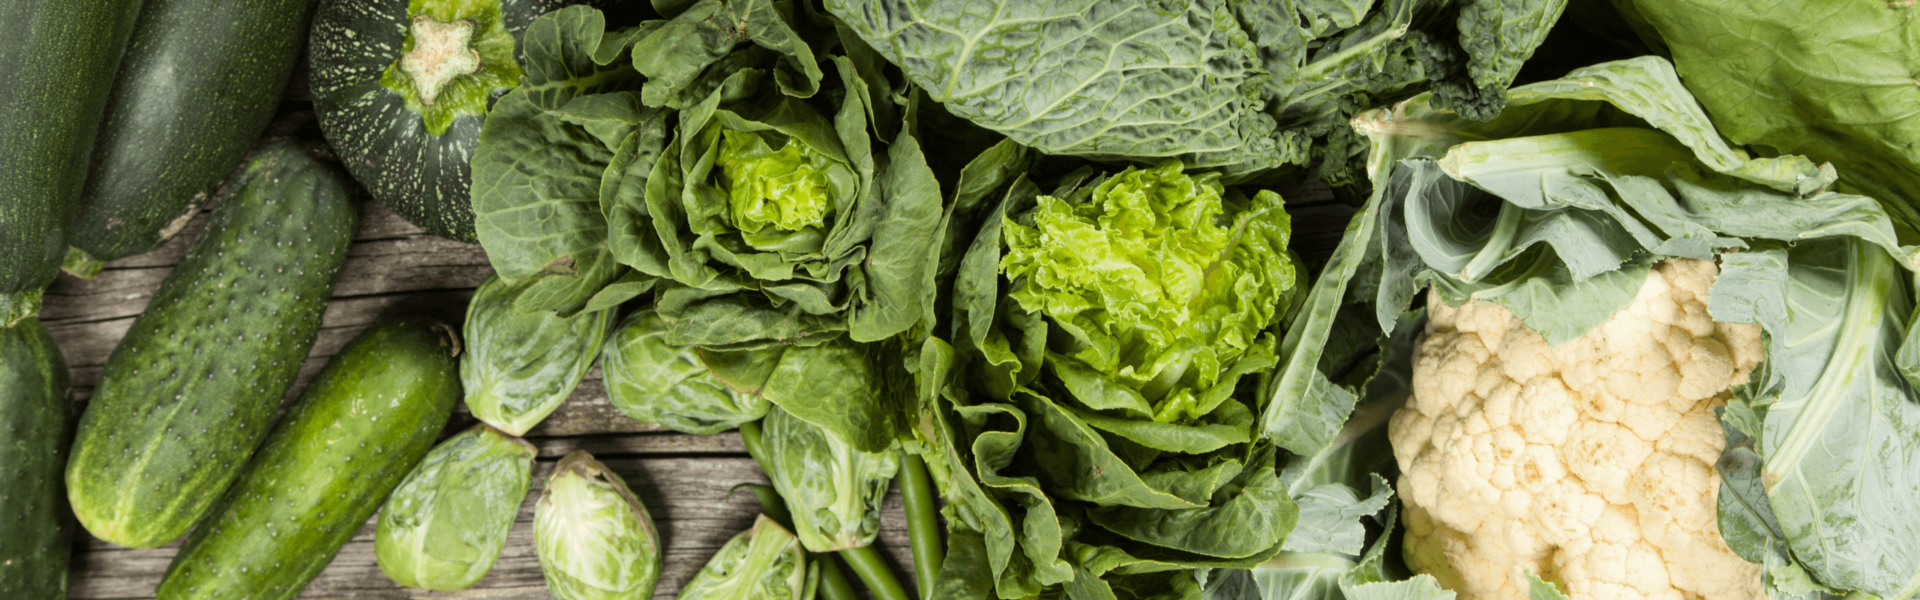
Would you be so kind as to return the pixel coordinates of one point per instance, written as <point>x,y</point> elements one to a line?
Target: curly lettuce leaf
<point>1159,295</point>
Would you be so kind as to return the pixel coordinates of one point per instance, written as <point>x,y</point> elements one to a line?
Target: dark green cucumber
<point>409,142</point>
<point>355,433</point>
<point>198,85</point>
<point>35,419</point>
<point>58,58</point>
<point>193,388</point>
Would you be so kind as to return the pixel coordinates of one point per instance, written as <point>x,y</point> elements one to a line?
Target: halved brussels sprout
<point>446,523</point>
<point>594,538</point>
<point>833,489</point>
<point>762,563</point>
<point>670,385</point>
<point>519,365</point>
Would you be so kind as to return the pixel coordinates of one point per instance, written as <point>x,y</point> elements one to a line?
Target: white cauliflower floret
<point>1590,463</point>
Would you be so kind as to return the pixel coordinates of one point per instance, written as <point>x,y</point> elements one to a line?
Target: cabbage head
<point>519,366</point>
<point>594,538</point>
<point>654,382</point>
<point>762,563</point>
<point>833,489</point>
<point>445,525</point>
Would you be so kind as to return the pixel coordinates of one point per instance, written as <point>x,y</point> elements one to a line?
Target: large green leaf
<point>1842,432</point>
<point>1835,93</point>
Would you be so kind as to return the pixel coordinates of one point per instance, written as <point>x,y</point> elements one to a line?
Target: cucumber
<point>58,57</point>
<point>35,533</point>
<point>199,82</point>
<point>357,430</point>
<point>193,388</point>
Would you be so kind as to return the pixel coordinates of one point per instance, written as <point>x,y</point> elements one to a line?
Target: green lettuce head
<point>781,199</point>
<point>654,382</point>
<point>1158,283</point>
<point>595,540</point>
<point>762,563</point>
<point>1093,425</point>
<point>447,522</point>
<point>833,489</point>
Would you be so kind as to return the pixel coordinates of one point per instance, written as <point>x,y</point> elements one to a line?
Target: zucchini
<point>193,388</point>
<point>35,533</point>
<point>59,57</point>
<point>406,122</point>
<point>198,85</point>
<point>355,432</point>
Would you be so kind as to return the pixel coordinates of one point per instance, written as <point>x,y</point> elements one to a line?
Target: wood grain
<point>395,268</point>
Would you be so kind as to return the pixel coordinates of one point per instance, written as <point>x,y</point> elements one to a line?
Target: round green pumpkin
<point>401,88</point>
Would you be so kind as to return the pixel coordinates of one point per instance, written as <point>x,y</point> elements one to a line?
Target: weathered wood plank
<point>689,499</point>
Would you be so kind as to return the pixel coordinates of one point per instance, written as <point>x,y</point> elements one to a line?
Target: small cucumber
<point>34,413</point>
<point>355,433</point>
<point>193,388</point>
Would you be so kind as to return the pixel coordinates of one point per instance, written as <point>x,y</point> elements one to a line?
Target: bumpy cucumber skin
<point>58,57</point>
<point>35,531</point>
<point>362,425</point>
<point>200,81</point>
<point>193,388</point>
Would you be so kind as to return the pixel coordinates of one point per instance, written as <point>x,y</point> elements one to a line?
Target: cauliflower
<point>1589,464</point>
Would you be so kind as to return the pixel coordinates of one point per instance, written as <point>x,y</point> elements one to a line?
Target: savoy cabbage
<point>1239,85</point>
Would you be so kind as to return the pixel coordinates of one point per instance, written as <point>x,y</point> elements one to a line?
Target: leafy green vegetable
<point>668,385</point>
<point>762,563</point>
<point>447,522</point>
<point>1134,273</point>
<point>1558,203</point>
<point>1235,84</point>
<point>546,159</point>
<point>1834,93</point>
<point>1089,429</point>
<point>594,538</point>
<point>519,366</point>
<point>833,489</point>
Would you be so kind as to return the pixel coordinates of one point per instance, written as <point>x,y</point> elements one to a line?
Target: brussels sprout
<point>594,538</point>
<point>519,365</point>
<point>668,385</point>
<point>833,489</point>
<point>762,563</point>
<point>446,523</point>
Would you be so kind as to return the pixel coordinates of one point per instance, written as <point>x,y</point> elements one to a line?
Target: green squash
<point>401,89</point>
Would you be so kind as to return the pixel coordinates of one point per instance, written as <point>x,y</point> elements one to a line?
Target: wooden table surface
<point>393,269</point>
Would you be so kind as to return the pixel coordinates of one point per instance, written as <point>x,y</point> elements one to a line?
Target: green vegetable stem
<point>923,526</point>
